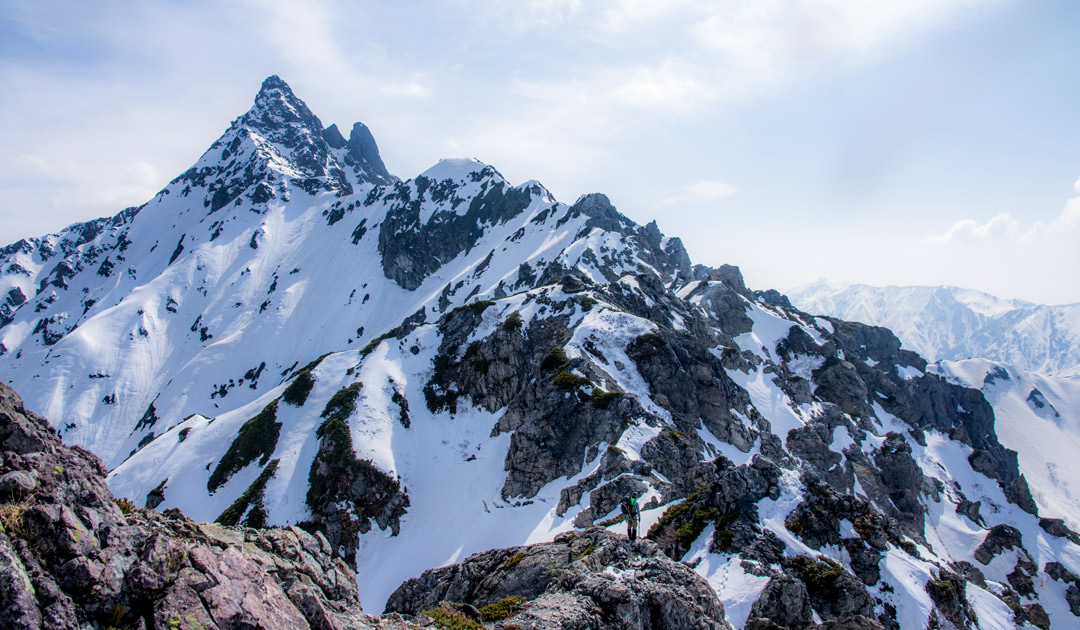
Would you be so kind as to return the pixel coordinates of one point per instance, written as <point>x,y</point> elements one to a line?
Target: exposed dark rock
<point>16,485</point>
<point>851,622</point>
<point>1018,493</point>
<point>585,579</point>
<point>785,603</point>
<point>949,594</point>
<point>364,156</point>
<point>998,539</point>
<point>971,510</point>
<point>970,572</point>
<point>692,383</point>
<point>572,284</point>
<point>865,560</point>
<point>1021,578</point>
<point>1036,616</point>
<point>838,382</point>
<point>732,277</point>
<point>1072,596</point>
<point>727,306</point>
<point>1057,571</point>
<point>903,479</point>
<point>1057,527</point>
<point>411,250</point>
<point>773,297</point>
<point>345,493</point>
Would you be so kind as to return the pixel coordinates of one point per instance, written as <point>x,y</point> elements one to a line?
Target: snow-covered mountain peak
<point>427,368</point>
<point>277,108</point>
<point>460,170</point>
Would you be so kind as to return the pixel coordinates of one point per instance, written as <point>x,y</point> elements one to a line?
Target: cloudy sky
<point>917,142</point>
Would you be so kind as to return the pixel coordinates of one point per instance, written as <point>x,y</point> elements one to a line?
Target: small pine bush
<point>343,403</point>
<point>451,620</point>
<point>690,530</point>
<point>480,306</point>
<point>555,360</point>
<point>502,609</point>
<point>651,339</point>
<point>819,575</point>
<point>601,399</point>
<point>513,322</point>
<point>256,439</point>
<point>253,495</point>
<point>296,393</point>
<point>566,381</point>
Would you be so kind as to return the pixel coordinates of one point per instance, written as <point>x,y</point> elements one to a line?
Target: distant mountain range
<point>953,323</point>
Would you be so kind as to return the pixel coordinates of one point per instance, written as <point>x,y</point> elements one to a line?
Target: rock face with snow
<point>420,370</point>
<point>71,558</point>
<point>954,324</point>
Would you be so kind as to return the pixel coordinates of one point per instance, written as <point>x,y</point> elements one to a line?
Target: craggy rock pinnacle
<point>71,558</point>
<point>585,579</point>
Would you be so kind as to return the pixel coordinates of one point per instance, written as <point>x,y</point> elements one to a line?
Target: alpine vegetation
<point>452,383</point>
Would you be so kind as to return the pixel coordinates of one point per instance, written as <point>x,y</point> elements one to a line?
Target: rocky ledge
<point>583,579</point>
<point>72,556</point>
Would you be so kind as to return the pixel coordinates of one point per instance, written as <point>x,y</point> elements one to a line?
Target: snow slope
<point>1038,417</point>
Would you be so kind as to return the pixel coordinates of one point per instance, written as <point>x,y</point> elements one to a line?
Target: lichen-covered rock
<point>586,579</point>
<point>70,558</point>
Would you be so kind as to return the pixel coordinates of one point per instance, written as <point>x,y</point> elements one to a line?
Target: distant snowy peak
<point>953,323</point>
<point>459,170</point>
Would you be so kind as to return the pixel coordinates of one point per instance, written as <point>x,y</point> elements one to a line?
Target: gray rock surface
<point>585,579</point>
<point>784,602</point>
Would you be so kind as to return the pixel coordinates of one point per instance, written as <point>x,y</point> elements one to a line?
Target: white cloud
<point>1003,225</point>
<point>1064,224</point>
<point>662,87</point>
<point>409,89</point>
<point>701,192</point>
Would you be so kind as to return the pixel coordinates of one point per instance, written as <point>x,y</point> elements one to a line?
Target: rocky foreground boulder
<point>72,556</point>
<point>583,579</point>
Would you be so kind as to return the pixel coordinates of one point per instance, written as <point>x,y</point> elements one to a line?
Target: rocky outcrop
<point>586,579</point>
<point>346,493</point>
<point>998,539</point>
<point>412,248</point>
<point>785,603</point>
<point>71,556</point>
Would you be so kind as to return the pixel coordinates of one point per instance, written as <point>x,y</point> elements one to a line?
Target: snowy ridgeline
<point>430,368</point>
<point>954,324</point>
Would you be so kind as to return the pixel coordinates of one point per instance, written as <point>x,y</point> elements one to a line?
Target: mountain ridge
<point>423,369</point>
<point>954,323</point>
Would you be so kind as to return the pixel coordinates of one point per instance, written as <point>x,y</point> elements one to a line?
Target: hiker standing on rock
<point>632,514</point>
